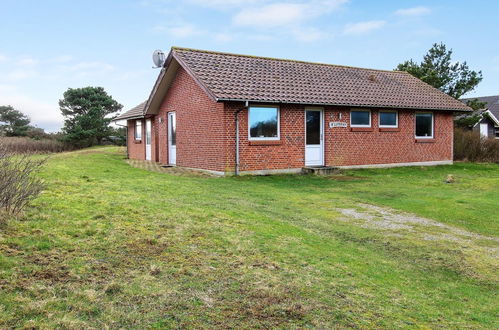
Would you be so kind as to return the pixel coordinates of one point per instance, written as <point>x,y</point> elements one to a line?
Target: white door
<point>314,141</point>
<point>172,139</point>
<point>148,139</point>
<point>484,130</point>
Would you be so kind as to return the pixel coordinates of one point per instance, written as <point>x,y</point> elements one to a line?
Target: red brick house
<point>229,113</point>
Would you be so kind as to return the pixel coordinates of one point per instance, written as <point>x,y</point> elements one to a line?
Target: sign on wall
<point>337,124</point>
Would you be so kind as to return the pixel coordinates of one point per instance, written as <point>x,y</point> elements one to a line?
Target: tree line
<point>87,112</point>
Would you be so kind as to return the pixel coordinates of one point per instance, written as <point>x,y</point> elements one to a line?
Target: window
<point>138,129</point>
<point>424,125</point>
<point>360,118</point>
<point>388,119</point>
<point>263,123</point>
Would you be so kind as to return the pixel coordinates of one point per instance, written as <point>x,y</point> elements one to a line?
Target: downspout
<point>236,115</point>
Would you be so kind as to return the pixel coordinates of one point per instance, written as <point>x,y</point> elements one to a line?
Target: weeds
<point>470,146</point>
<point>26,145</point>
<point>18,183</point>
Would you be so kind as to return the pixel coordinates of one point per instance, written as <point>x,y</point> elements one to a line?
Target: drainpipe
<point>236,115</point>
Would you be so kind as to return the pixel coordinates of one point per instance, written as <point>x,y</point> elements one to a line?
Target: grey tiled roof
<point>492,103</point>
<point>135,112</point>
<point>259,79</point>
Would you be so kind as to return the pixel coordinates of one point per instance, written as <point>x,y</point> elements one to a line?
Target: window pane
<point>138,130</point>
<point>388,118</point>
<point>360,118</point>
<point>313,135</point>
<point>173,130</point>
<point>148,133</point>
<point>423,124</point>
<point>263,122</point>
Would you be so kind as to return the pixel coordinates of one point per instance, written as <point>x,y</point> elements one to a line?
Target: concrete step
<point>320,170</point>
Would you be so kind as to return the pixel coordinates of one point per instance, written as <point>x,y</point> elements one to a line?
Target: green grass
<point>111,245</point>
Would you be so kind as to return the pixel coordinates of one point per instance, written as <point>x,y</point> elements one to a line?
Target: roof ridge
<point>283,59</point>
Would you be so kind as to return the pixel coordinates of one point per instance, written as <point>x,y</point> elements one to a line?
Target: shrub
<point>18,183</point>
<point>470,146</point>
<point>22,145</point>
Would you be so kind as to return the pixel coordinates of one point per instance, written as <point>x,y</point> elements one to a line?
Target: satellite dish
<point>158,57</point>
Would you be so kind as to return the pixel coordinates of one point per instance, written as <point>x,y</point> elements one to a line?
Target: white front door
<point>314,141</point>
<point>148,139</point>
<point>172,139</point>
<point>484,130</point>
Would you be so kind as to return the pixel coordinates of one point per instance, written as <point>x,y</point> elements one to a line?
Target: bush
<point>18,183</point>
<point>470,146</point>
<point>23,145</point>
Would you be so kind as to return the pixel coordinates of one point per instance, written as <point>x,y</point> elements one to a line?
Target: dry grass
<point>470,146</point>
<point>26,145</point>
<point>108,245</point>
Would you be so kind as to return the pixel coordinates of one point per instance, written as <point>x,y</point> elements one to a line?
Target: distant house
<point>229,113</point>
<point>487,118</point>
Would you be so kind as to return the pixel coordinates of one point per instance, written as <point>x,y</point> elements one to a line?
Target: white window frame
<point>389,126</point>
<point>361,110</point>
<point>135,130</point>
<point>278,124</point>
<point>432,125</point>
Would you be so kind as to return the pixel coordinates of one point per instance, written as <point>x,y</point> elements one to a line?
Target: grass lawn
<point>110,245</point>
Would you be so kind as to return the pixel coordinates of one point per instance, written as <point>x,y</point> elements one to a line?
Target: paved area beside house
<point>155,167</point>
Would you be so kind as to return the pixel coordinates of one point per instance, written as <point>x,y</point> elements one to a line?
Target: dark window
<point>313,127</point>
<point>138,130</point>
<point>263,122</point>
<point>424,125</point>
<point>360,118</point>
<point>388,118</point>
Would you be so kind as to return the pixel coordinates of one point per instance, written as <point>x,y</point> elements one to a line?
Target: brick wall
<point>342,145</point>
<point>200,125</point>
<point>136,149</point>
<point>346,147</point>
<point>257,155</point>
<point>206,136</point>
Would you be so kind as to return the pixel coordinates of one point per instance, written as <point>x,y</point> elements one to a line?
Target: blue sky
<point>49,46</point>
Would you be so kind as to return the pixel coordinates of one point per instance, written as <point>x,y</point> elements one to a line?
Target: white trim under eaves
<point>494,118</point>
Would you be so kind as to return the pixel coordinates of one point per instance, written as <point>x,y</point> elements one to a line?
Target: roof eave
<point>342,105</point>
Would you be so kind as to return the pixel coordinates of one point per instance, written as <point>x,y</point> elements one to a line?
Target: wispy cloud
<point>363,27</point>
<point>284,13</point>
<point>3,58</point>
<point>27,61</point>
<point>20,74</point>
<point>223,4</point>
<point>308,34</point>
<point>223,37</point>
<point>180,31</point>
<point>414,11</point>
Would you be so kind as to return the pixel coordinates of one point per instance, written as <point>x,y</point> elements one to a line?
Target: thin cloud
<point>363,27</point>
<point>309,34</point>
<point>20,74</point>
<point>223,4</point>
<point>180,31</point>
<point>27,61</point>
<point>282,14</point>
<point>414,11</point>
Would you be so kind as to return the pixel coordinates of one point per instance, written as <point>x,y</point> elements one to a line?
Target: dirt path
<point>480,252</point>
